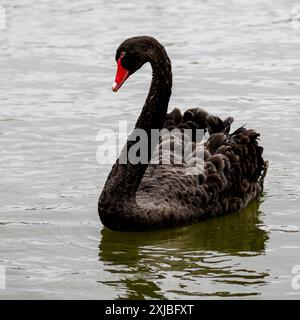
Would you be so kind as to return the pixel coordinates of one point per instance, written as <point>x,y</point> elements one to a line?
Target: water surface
<point>57,65</point>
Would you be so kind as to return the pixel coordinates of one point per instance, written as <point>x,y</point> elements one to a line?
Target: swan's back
<point>231,176</point>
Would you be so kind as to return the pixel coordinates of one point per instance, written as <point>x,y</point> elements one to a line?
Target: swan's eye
<point>122,54</point>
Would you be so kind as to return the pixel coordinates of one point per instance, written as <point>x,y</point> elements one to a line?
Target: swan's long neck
<point>124,179</point>
<point>156,105</point>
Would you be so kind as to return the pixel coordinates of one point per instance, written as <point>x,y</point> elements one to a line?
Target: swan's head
<point>131,55</point>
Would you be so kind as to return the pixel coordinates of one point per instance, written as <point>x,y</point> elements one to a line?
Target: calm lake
<point>233,58</point>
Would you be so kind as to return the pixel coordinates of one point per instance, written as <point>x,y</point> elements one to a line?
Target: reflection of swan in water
<point>203,259</point>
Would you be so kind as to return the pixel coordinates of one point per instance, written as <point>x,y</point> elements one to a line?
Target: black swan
<point>138,197</point>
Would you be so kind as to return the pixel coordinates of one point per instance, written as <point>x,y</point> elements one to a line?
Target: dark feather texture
<point>139,197</point>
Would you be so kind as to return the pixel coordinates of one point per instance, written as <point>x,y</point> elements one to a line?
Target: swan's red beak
<point>121,75</point>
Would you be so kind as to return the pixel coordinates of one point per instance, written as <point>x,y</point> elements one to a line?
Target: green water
<point>192,254</point>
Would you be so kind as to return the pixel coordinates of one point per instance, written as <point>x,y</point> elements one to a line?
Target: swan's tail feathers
<point>250,153</point>
<point>241,129</point>
<point>214,124</point>
<point>264,173</point>
<point>227,124</point>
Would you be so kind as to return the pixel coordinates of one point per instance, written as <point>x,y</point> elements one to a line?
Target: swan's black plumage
<point>140,196</point>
